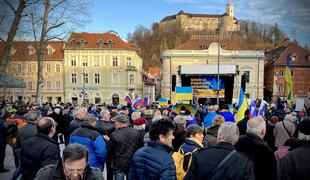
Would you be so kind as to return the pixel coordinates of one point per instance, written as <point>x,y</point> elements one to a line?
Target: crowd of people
<point>153,142</point>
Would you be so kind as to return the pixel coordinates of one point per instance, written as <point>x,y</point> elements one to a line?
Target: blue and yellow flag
<point>288,79</point>
<point>242,106</point>
<point>183,94</point>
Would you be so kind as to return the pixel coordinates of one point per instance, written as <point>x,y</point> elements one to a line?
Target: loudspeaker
<point>174,82</point>
<point>243,81</point>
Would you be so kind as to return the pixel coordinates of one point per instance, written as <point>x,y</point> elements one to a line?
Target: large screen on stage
<point>205,87</point>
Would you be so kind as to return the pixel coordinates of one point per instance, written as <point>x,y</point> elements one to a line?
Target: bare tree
<point>17,14</point>
<point>54,20</point>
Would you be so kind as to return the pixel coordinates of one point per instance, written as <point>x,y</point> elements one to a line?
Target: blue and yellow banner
<point>163,101</point>
<point>288,79</point>
<point>191,107</point>
<point>183,94</point>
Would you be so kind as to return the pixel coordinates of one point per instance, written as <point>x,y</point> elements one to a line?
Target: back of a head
<point>228,132</point>
<point>33,115</point>
<point>255,125</point>
<point>162,126</point>
<point>74,152</point>
<point>192,130</point>
<point>21,111</point>
<point>104,113</point>
<point>79,112</point>
<point>45,125</point>
<point>225,106</point>
<point>218,120</point>
<point>135,115</point>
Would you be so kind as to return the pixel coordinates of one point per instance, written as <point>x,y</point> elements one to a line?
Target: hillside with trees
<point>152,41</point>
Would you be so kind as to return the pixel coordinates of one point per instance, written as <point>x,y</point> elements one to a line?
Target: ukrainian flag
<point>288,79</point>
<point>183,93</point>
<point>242,106</point>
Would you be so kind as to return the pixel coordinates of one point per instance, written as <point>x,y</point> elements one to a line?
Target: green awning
<point>9,81</point>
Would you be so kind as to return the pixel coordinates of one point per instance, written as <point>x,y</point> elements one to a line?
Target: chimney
<point>286,42</point>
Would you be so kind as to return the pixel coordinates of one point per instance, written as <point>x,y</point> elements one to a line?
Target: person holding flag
<point>242,106</point>
<point>288,79</point>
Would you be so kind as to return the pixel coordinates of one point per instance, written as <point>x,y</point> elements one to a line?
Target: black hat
<point>304,126</point>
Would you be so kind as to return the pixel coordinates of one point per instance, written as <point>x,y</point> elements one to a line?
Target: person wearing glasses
<point>40,150</point>
<point>73,166</point>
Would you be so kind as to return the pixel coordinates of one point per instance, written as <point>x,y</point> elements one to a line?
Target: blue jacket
<point>208,119</point>
<point>228,116</point>
<point>93,142</point>
<point>153,162</point>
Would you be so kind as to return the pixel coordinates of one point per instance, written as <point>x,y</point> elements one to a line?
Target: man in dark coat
<point>154,160</point>
<point>2,145</point>
<point>242,125</point>
<point>104,125</point>
<point>122,144</point>
<point>205,161</point>
<point>41,150</point>
<point>73,166</point>
<point>252,144</point>
<point>296,164</point>
<point>79,115</point>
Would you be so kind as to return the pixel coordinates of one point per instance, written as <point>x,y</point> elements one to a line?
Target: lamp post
<point>218,65</point>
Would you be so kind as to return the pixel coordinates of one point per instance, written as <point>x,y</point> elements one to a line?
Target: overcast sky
<point>123,16</point>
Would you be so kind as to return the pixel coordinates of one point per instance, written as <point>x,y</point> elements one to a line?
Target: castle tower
<point>230,9</point>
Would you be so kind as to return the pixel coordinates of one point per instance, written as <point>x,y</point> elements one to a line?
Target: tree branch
<point>10,5</point>
<point>54,26</point>
<point>56,5</point>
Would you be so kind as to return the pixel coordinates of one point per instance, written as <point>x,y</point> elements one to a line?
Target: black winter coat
<point>25,132</point>
<point>205,160</point>
<point>296,164</point>
<point>264,161</point>
<point>122,145</point>
<point>105,128</point>
<point>74,124</point>
<point>37,152</point>
<point>153,162</point>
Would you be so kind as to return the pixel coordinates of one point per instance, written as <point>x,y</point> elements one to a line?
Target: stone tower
<point>230,9</point>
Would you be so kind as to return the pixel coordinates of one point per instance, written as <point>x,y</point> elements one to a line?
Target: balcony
<point>131,68</point>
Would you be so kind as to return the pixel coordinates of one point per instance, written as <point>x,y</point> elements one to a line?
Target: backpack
<point>178,158</point>
<point>11,127</point>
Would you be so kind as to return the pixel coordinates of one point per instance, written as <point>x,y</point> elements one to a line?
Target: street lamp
<point>218,65</point>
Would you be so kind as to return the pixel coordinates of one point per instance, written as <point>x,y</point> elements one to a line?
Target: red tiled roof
<point>200,44</point>
<point>154,70</point>
<point>92,39</point>
<point>22,51</point>
<point>278,56</point>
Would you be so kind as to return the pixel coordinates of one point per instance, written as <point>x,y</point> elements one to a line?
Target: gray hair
<point>78,110</point>
<point>255,125</point>
<point>228,132</point>
<point>104,113</point>
<point>74,152</point>
<point>139,127</point>
<point>303,137</point>
<point>33,115</point>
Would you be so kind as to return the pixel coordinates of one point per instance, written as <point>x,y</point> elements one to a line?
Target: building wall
<point>246,60</point>
<point>27,71</point>
<point>105,89</point>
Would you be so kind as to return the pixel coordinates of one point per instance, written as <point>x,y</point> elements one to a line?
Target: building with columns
<point>195,63</point>
<point>190,22</point>
<point>23,65</point>
<point>101,67</point>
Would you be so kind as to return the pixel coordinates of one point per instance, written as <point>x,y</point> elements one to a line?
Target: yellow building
<point>189,22</point>
<point>23,65</point>
<point>101,67</point>
<point>195,63</point>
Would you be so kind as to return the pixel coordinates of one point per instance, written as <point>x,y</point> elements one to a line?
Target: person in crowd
<point>2,144</point>
<point>157,116</point>
<point>73,166</point>
<point>59,119</point>
<point>289,145</point>
<point>67,118</point>
<point>122,144</point>
<point>25,132</point>
<point>221,161</point>
<point>252,144</point>
<point>154,160</point>
<point>87,136</point>
<point>208,119</point>
<point>211,132</point>
<point>190,119</point>
<point>228,116</point>
<point>79,115</point>
<point>140,125</point>
<point>269,138</point>
<point>193,142</point>
<point>148,115</point>
<point>296,164</point>
<point>104,125</point>
<point>284,130</point>
<point>179,132</point>
<point>279,111</point>
<point>242,124</point>
<point>40,150</point>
